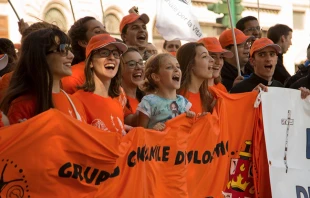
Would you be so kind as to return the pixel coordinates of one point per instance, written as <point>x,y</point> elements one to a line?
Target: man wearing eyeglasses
<point>249,26</point>
<point>229,71</point>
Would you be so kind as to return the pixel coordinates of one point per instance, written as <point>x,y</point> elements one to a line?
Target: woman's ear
<point>123,36</point>
<point>91,65</point>
<point>82,43</point>
<point>155,77</point>
<point>192,66</point>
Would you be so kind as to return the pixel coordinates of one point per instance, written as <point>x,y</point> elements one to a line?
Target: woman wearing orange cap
<point>101,94</point>
<point>196,65</point>
<point>35,84</point>
<point>217,53</point>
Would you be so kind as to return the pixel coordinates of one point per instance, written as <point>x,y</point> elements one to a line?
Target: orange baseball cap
<point>130,18</point>
<point>226,37</point>
<point>4,59</point>
<point>213,45</point>
<point>262,43</point>
<point>101,40</point>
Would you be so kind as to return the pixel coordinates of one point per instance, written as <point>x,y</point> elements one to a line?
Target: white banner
<point>176,20</point>
<point>287,131</point>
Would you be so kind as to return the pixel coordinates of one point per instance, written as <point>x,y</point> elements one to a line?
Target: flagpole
<point>72,10</point>
<point>14,10</point>
<point>258,11</point>
<point>234,38</point>
<point>103,17</point>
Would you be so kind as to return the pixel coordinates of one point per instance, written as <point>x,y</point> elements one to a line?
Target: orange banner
<point>222,142</point>
<point>53,155</point>
<point>214,153</point>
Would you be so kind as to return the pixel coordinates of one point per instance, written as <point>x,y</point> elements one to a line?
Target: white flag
<point>287,132</point>
<point>175,20</point>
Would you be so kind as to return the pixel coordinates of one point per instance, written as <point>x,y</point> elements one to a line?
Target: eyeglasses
<point>133,64</point>
<point>252,29</point>
<point>104,53</point>
<point>63,50</point>
<point>247,44</point>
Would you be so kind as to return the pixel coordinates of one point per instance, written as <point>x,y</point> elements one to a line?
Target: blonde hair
<point>152,66</point>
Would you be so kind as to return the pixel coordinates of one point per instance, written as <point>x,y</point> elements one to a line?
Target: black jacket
<point>250,83</point>
<point>248,69</point>
<point>303,82</point>
<point>302,72</point>
<point>229,73</point>
<point>280,73</point>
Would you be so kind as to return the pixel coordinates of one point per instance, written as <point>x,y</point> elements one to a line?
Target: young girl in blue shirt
<point>162,79</point>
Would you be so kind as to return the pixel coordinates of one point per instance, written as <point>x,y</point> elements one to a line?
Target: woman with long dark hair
<point>133,68</point>
<point>35,85</point>
<point>217,53</point>
<point>196,66</point>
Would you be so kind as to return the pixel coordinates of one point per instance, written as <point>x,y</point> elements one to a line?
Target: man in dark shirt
<point>249,25</point>
<point>282,35</point>
<point>263,57</point>
<point>229,71</point>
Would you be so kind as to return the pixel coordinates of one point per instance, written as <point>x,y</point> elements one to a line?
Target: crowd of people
<point>116,84</point>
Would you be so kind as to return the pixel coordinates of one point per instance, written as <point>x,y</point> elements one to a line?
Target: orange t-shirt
<point>4,83</point>
<point>1,123</point>
<point>194,98</point>
<point>221,87</point>
<point>70,83</point>
<point>133,102</point>
<point>23,108</point>
<point>104,113</point>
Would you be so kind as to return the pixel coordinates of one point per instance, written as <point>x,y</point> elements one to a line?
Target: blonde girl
<point>162,79</point>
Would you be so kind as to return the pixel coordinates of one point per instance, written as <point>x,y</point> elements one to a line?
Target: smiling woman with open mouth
<point>217,53</point>
<point>101,94</point>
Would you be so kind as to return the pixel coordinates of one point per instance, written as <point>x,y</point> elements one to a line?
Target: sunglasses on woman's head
<point>63,50</point>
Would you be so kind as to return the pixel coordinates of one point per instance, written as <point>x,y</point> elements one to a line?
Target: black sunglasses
<point>63,49</point>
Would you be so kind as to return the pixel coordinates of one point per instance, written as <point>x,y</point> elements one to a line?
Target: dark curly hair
<point>77,33</point>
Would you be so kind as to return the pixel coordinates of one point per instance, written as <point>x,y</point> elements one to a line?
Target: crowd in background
<point>116,84</point>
